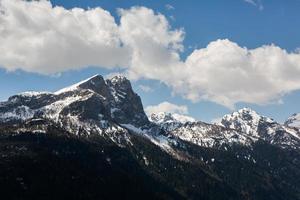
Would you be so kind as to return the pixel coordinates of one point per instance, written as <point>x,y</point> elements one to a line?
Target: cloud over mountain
<point>166,107</point>
<point>36,36</point>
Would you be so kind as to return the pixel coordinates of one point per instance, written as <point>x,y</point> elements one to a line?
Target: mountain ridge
<point>96,133</point>
<point>98,105</point>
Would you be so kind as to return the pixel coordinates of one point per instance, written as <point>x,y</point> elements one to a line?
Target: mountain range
<point>93,140</point>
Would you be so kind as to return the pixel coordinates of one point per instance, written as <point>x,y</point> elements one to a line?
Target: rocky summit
<point>93,140</point>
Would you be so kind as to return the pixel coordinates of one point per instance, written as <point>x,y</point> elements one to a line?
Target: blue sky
<point>248,25</point>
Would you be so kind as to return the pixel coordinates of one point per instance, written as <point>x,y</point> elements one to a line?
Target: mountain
<point>109,98</point>
<point>257,127</point>
<point>244,127</point>
<point>93,140</point>
<point>293,121</point>
<point>170,121</point>
<point>92,106</point>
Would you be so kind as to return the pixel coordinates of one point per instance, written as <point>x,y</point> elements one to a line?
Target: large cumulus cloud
<point>36,36</point>
<point>226,73</point>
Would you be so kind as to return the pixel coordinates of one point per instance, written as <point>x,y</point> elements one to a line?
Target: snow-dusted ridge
<point>33,93</point>
<point>244,126</point>
<point>74,86</point>
<point>110,107</point>
<point>163,117</point>
<point>245,120</point>
<point>293,121</point>
<point>85,106</point>
<point>170,121</point>
<point>118,79</point>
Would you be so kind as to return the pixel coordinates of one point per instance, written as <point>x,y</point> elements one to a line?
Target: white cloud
<point>252,2</point>
<point>166,107</point>
<point>154,45</point>
<point>216,120</point>
<point>145,88</point>
<point>37,37</point>
<point>172,17</point>
<point>169,7</point>
<point>256,3</point>
<point>226,73</point>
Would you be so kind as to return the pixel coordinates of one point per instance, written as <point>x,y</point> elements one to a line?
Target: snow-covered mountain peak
<point>89,83</point>
<point>244,126</point>
<point>246,115</point>
<point>93,101</point>
<point>170,121</point>
<point>118,79</point>
<point>163,117</point>
<point>246,120</point>
<point>293,121</point>
<point>244,112</point>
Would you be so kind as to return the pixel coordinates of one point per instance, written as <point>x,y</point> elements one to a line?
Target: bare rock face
<point>126,105</point>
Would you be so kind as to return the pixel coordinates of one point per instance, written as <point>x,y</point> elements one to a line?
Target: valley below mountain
<point>93,140</point>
